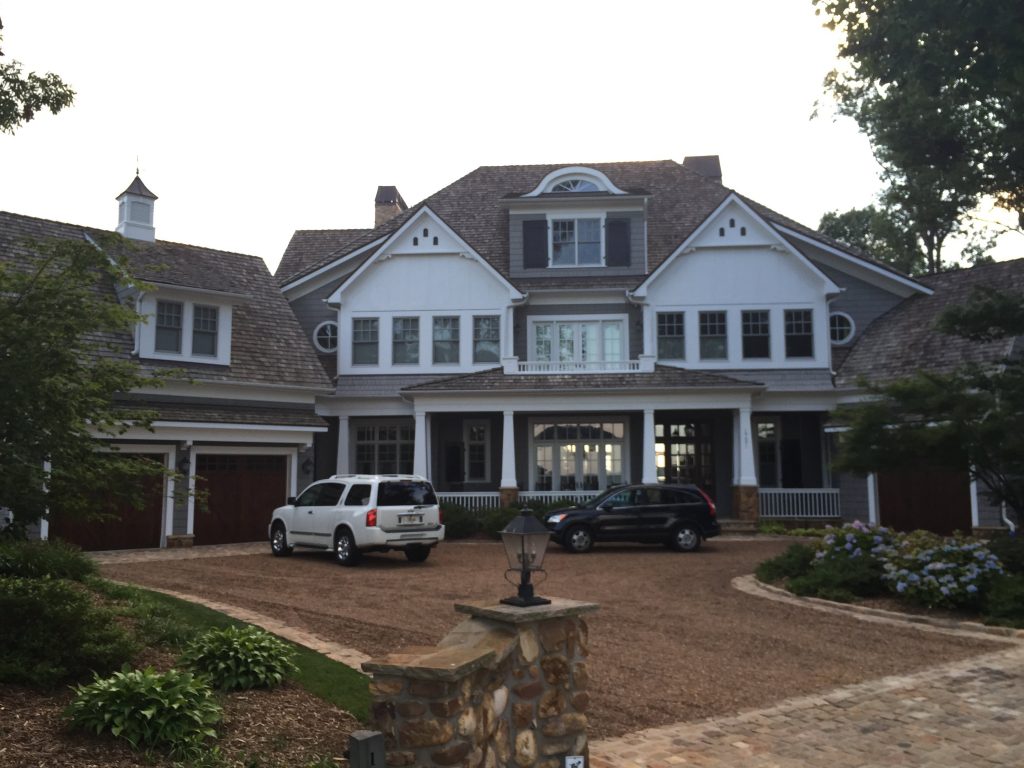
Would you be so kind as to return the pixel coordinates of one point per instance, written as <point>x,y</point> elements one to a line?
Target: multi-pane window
<point>756,334</point>
<point>799,333</point>
<point>570,341</point>
<point>671,339</point>
<point>325,337</point>
<point>713,336</point>
<point>385,449</point>
<point>446,339</point>
<point>768,454</point>
<point>486,339</point>
<point>204,330</point>
<point>840,327</point>
<point>168,326</point>
<point>477,448</point>
<point>364,341</point>
<point>405,340</point>
<point>575,456</point>
<point>575,242</point>
<point>684,453</point>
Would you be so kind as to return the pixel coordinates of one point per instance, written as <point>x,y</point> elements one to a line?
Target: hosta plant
<point>171,710</point>
<point>237,658</point>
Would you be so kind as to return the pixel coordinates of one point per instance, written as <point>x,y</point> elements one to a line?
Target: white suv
<point>352,514</point>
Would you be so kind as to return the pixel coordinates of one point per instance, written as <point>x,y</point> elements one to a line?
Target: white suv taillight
<point>371,518</point>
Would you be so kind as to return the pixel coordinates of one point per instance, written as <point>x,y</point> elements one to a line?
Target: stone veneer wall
<point>507,688</point>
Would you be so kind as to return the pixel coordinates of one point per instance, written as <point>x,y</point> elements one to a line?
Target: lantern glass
<point>525,551</point>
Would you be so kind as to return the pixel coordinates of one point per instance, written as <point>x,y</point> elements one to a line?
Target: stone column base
<point>180,540</point>
<point>509,497</point>
<point>745,502</point>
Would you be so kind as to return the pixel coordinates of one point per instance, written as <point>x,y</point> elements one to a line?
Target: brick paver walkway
<point>967,714</point>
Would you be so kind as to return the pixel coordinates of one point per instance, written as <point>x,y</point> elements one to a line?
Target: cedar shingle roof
<point>904,340</point>
<point>309,246</point>
<point>267,344</point>
<point>194,411</point>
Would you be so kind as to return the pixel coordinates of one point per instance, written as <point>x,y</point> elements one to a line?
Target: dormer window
<point>575,185</point>
<point>185,329</point>
<point>575,242</point>
<point>168,326</point>
<point>204,330</point>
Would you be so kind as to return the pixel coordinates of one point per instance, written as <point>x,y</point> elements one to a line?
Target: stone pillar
<point>419,456</point>
<point>744,492</point>
<point>650,471</point>
<point>342,466</point>
<point>508,456</point>
<point>506,687</point>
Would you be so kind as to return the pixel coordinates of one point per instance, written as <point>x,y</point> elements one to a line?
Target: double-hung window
<point>405,340</point>
<point>168,326</point>
<point>486,339</point>
<point>578,342</point>
<point>364,341</point>
<point>799,333</point>
<point>575,242</point>
<point>756,334</point>
<point>446,339</point>
<point>204,330</point>
<point>671,338</point>
<point>713,336</point>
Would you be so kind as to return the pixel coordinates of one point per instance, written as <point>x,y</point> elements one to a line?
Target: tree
<point>23,95</point>
<point>939,90</point>
<point>876,232</point>
<point>973,415</point>
<point>63,336</point>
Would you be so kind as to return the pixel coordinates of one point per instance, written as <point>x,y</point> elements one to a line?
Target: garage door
<point>132,528</point>
<point>241,492</point>
<point>933,499</point>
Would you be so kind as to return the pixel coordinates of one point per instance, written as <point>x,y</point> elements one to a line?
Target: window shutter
<point>535,244</point>
<point>616,243</point>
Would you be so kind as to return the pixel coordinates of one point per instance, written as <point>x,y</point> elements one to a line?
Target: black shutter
<point>616,242</point>
<point>535,244</point>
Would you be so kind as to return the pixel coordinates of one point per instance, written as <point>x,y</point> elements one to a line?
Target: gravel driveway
<point>672,641</point>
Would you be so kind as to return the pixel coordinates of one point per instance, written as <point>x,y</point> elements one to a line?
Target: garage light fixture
<point>184,464</point>
<point>526,541</point>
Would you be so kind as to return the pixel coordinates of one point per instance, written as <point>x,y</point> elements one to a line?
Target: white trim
<point>170,452</point>
<point>190,522</point>
<point>872,482</point>
<point>577,320</point>
<point>328,267</point>
<point>575,216</point>
<point>467,424</point>
<point>881,271</point>
<point>223,425</point>
<point>337,337</point>
<point>853,328</point>
<point>975,512</point>
<point>578,172</point>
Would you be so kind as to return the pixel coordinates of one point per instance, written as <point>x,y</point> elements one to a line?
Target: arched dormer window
<point>575,185</point>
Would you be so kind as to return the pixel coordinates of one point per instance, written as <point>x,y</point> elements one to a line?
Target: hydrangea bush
<point>936,572</point>
<point>854,540</point>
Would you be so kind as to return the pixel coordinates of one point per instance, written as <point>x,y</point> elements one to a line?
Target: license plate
<point>410,519</point>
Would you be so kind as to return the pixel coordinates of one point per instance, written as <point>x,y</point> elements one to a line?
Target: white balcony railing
<point>474,501</point>
<point>799,502</point>
<point>551,497</point>
<point>644,364</point>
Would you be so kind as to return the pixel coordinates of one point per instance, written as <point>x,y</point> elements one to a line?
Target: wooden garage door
<point>133,528</point>
<point>933,499</point>
<point>241,491</point>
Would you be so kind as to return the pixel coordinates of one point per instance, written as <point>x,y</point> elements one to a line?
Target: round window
<point>325,337</point>
<point>840,327</point>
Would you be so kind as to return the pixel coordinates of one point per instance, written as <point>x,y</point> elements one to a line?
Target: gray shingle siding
<point>860,300</point>
<point>310,310</point>
<point>637,248</point>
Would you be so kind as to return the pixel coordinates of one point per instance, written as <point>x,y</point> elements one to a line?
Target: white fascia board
<point>582,401</point>
<point>235,390</point>
<point>906,282</point>
<point>578,171</point>
<point>466,250</point>
<point>221,433</point>
<point>733,199</point>
<point>240,298</point>
<point>290,289</point>
<point>232,426</point>
<point>562,296</point>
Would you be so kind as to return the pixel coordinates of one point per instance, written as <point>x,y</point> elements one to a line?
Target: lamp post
<point>526,541</point>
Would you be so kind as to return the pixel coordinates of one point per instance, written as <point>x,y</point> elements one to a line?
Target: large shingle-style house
<point>239,421</point>
<point>544,331</point>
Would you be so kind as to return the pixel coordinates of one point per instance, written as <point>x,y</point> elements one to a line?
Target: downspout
<point>1006,519</point>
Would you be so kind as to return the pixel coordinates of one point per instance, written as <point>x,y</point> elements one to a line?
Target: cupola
<point>135,213</point>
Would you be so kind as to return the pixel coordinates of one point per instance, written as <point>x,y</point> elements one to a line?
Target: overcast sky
<point>251,120</point>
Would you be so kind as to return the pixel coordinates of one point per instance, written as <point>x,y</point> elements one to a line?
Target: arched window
<point>840,327</point>
<point>575,185</point>
<point>325,337</point>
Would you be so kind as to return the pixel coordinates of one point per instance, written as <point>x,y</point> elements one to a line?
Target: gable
<point>734,225</point>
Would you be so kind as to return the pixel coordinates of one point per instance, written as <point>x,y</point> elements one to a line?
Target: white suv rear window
<point>404,493</point>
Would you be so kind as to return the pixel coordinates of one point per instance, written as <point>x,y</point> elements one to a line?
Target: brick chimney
<point>387,204</point>
<point>707,166</point>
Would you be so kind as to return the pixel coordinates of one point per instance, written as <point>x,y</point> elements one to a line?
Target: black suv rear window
<point>404,493</point>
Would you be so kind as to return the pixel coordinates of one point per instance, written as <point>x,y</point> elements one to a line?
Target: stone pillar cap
<point>510,614</point>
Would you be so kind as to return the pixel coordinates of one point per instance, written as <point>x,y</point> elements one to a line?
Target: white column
<point>746,474</point>
<point>419,458</point>
<point>342,465</point>
<point>650,474</point>
<point>508,452</point>
<point>650,330</point>
<point>190,526</point>
<point>507,331</point>
<point>872,482</point>
<point>975,510</point>
<point>170,464</point>
<point>44,523</point>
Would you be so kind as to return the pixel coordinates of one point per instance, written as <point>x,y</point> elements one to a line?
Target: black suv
<point>679,516</point>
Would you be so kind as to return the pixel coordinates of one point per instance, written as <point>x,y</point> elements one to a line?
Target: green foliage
<point>878,233</point>
<point>173,710</point>
<point>239,658</point>
<point>36,559</point>
<point>459,522</point>
<point>1010,551</point>
<point>936,572</point>
<point>52,632</point>
<point>1004,601</point>
<point>795,561</point>
<point>495,520</point>
<point>23,95</point>
<point>842,580</point>
<point>59,323</point>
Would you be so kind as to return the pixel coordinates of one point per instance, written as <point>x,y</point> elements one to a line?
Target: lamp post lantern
<point>526,541</point>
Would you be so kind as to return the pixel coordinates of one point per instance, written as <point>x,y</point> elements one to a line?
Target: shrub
<point>459,522</point>
<point>36,559</point>
<point>951,573</point>
<point>853,541</point>
<point>1004,601</point>
<point>795,561</point>
<point>494,520</point>
<point>237,658</point>
<point>172,710</point>
<point>772,528</point>
<point>51,632</point>
<point>841,579</point>
<point>1009,548</point>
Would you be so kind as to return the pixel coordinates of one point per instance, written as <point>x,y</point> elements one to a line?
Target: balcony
<point>513,366</point>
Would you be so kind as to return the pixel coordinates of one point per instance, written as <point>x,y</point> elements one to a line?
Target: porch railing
<point>546,366</point>
<point>550,497</point>
<point>799,502</point>
<point>478,501</point>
